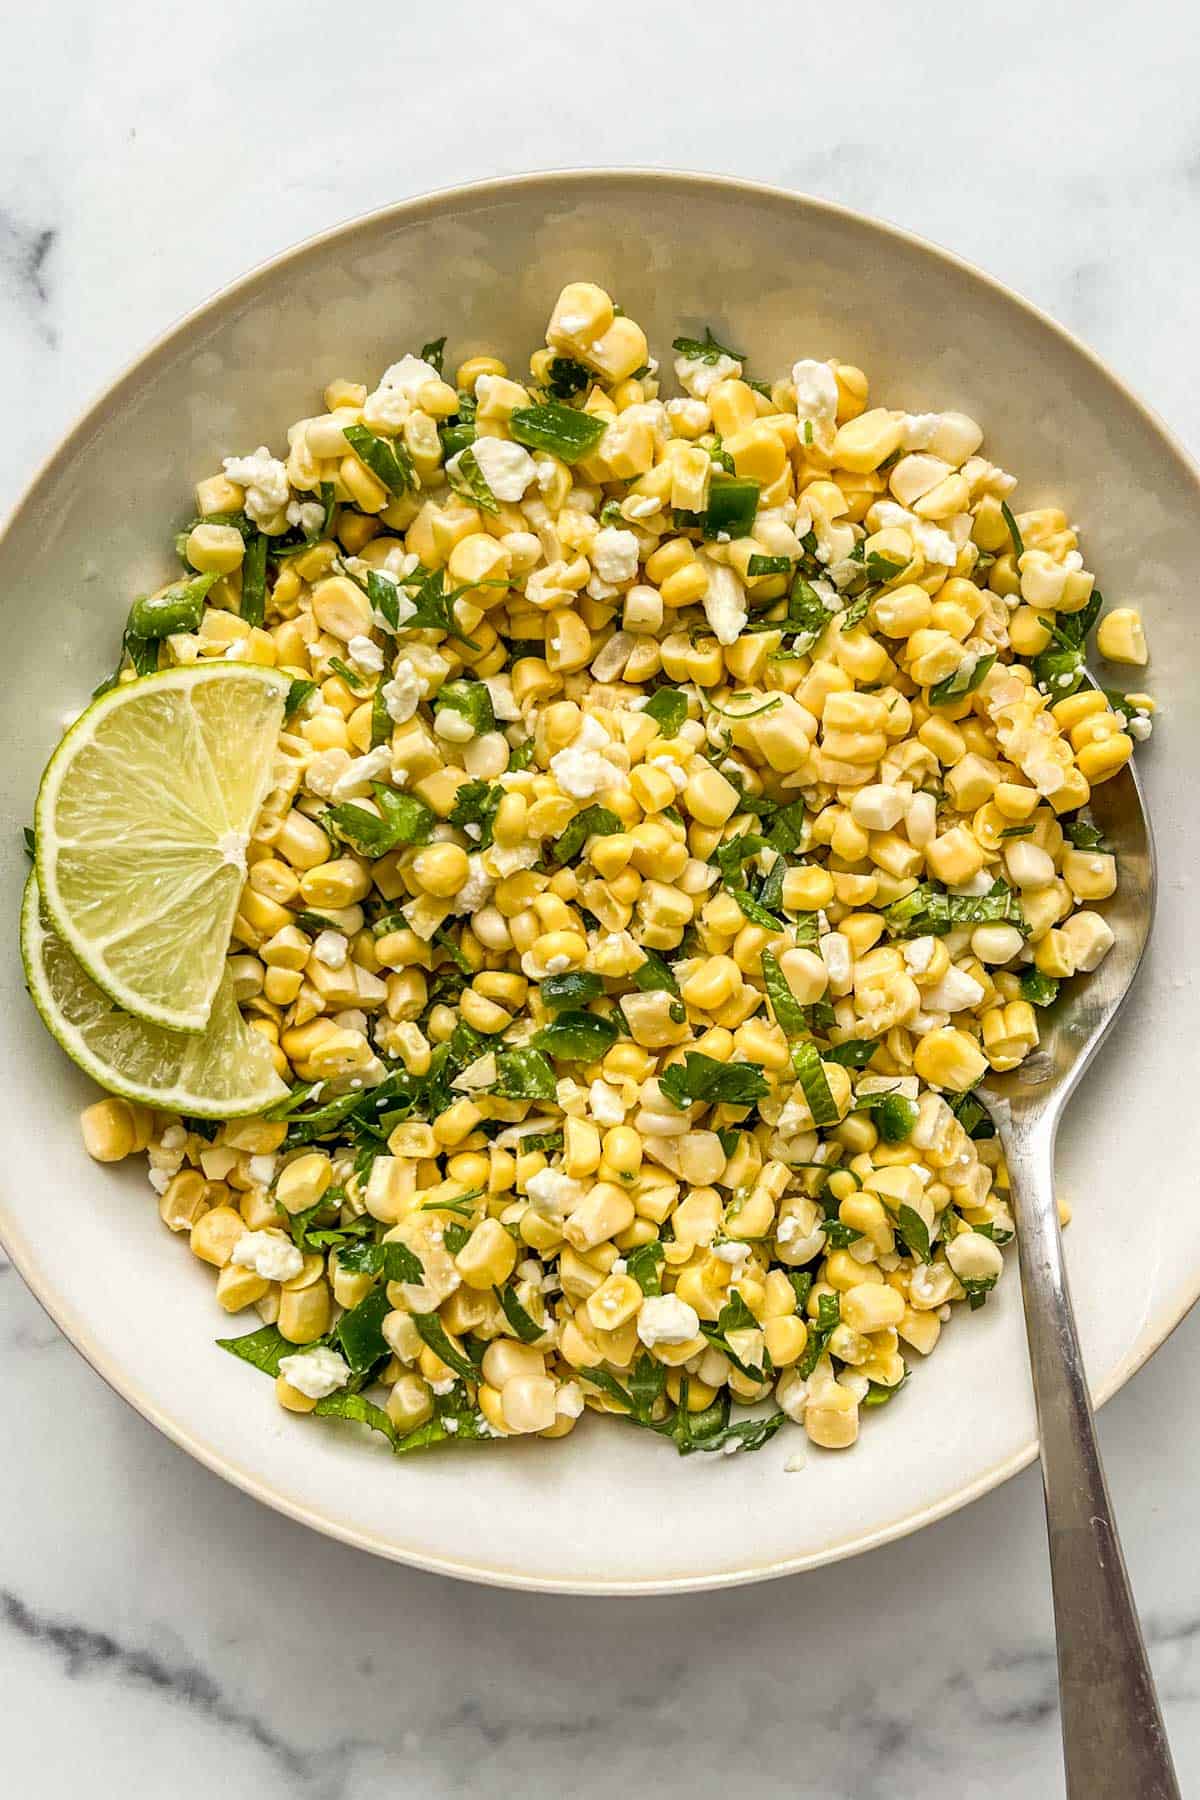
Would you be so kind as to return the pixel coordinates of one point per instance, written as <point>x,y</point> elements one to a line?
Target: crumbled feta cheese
<point>936,545</point>
<point>355,780</point>
<point>331,948</point>
<point>317,1372</point>
<point>476,890</point>
<point>583,773</point>
<point>309,515</point>
<point>724,602</point>
<point>402,694</point>
<point>269,1254</point>
<point>614,555</point>
<point>365,654</point>
<point>816,401</point>
<point>550,1191</point>
<point>507,468</point>
<point>173,1138</point>
<point>607,1106</point>
<point>918,953</point>
<point>666,1319</point>
<point>736,1255</point>
<point>671,768</point>
<point>955,992</point>
<point>265,481</point>
<point>557,965</point>
<point>699,378</point>
<point>409,375</point>
<point>260,1169</point>
<point>160,1181</point>
<point>386,410</point>
<point>688,418</point>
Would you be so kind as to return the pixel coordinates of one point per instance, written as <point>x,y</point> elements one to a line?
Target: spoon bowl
<point>1113,1736</point>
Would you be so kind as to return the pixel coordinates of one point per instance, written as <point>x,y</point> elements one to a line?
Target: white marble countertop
<point>160,1632</point>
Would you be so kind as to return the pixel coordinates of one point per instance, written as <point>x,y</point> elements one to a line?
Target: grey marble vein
<point>26,267</point>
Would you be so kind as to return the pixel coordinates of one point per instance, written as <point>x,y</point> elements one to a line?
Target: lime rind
<point>141,818</point>
<point>222,1073</point>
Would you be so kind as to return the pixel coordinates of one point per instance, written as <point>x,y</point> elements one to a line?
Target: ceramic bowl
<point>781,276</point>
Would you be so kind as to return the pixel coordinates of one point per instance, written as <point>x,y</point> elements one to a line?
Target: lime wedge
<point>219,1073</point>
<point>143,818</point>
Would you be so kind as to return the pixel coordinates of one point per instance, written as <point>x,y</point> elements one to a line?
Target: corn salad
<point>677,814</point>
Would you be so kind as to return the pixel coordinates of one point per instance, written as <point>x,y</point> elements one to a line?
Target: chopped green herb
<point>754,911</point>
<point>577,1037</point>
<point>785,832</point>
<point>468,479</point>
<point>477,803</point>
<point>300,691</point>
<point>1083,835</point>
<point>1038,989</point>
<point>1016,831</point>
<point>471,699</point>
<point>769,565</point>
<point>343,1405</point>
<point>668,708</point>
<point>263,1349</point>
<point>351,677</point>
<point>654,974</point>
<point>645,1264</point>
<point>523,1326</point>
<point>524,1075</point>
<point>574,989</point>
<point>930,911</point>
<point>964,681</point>
<point>1013,532</point>
<point>855,1053</point>
<point>404,820</point>
<point>806,1061</point>
<point>254,580</point>
<point>914,1231</point>
<point>593,821</point>
<point>565,378</point>
<point>789,1013</point>
<point>387,459</point>
<point>701,1078</point>
<point>705,350</point>
<point>431,1331</point>
<point>820,1330</point>
<point>433,353</point>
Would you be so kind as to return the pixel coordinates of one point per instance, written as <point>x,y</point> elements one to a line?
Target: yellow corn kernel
<point>948,1058</point>
<point>488,1257</point>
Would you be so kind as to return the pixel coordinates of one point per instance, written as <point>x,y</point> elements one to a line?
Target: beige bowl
<point>780,276</point>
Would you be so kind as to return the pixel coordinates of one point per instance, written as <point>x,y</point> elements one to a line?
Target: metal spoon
<point>1114,1742</point>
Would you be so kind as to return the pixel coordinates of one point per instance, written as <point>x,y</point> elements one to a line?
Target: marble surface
<point>159,1632</point>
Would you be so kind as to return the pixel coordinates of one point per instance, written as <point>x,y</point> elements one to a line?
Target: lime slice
<point>219,1073</point>
<point>143,818</point>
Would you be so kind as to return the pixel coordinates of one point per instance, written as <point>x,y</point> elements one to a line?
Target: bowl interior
<point>780,277</point>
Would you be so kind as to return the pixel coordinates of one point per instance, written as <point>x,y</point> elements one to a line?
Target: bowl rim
<point>40,1284</point>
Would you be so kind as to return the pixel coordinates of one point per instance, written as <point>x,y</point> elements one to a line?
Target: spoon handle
<point>1114,1742</point>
